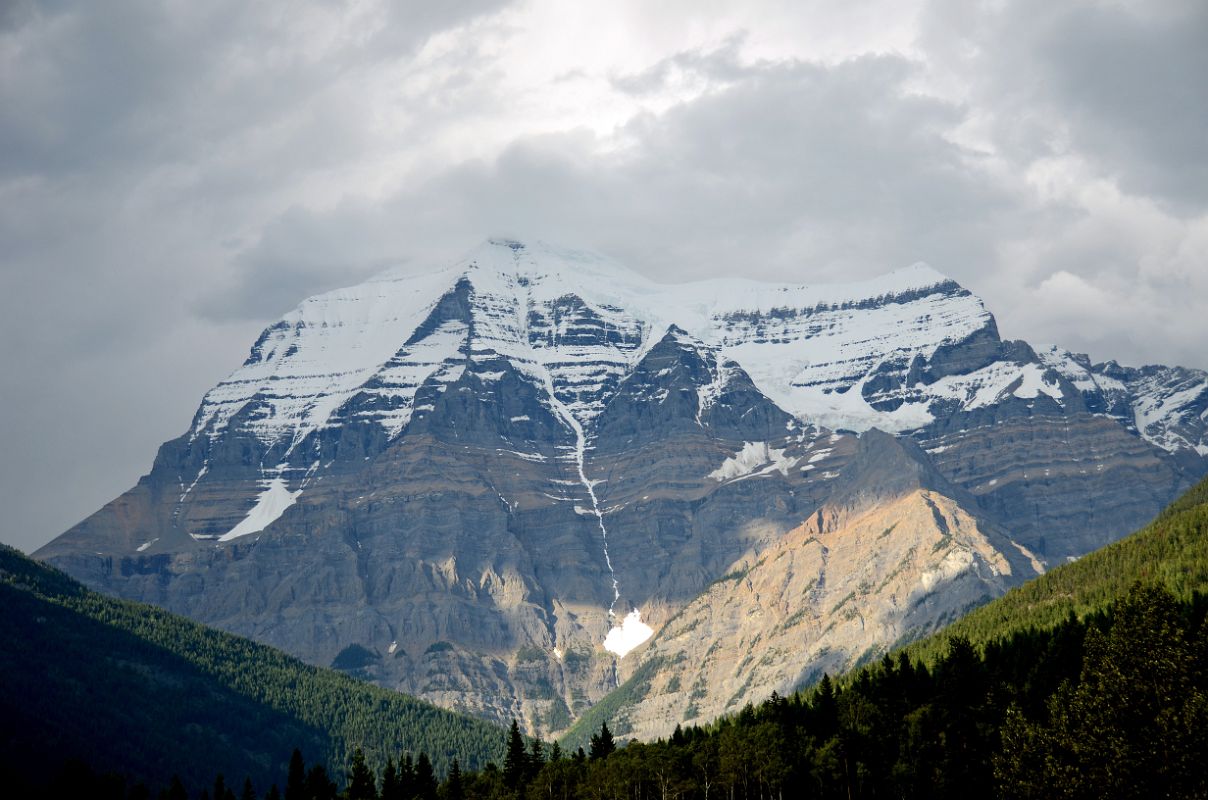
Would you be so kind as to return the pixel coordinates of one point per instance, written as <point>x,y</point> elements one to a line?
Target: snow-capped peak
<point>577,322</point>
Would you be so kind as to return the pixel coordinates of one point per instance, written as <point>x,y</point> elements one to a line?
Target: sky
<point>176,175</point>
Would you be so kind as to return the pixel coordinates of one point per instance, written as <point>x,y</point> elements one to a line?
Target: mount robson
<point>516,484</point>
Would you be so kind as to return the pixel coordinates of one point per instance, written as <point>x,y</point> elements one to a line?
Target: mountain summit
<point>487,485</point>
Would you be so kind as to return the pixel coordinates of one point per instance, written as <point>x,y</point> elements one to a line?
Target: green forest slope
<point>131,688</point>
<point>1171,551</point>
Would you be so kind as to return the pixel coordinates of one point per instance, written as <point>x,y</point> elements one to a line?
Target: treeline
<point>1113,705</point>
<point>1172,551</point>
<point>1109,706</point>
<point>132,688</point>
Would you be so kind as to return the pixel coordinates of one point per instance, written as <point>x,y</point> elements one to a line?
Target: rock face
<point>463,484</point>
<point>892,556</point>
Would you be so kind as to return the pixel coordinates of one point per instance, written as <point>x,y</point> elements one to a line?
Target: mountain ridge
<point>473,478</point>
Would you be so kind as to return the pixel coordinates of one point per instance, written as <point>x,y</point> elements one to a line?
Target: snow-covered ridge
<point>1166,406</point>
<point>579,321</point>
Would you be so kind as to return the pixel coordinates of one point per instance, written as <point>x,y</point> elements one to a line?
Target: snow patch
<point>628,635</point>
<point>270,505</point>
<point>819,455</point>
<point>754,458</point>
<point>994,383</point>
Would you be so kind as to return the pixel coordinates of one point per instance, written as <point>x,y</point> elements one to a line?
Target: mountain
<point>132,689</point>
<point>890,556</point>
<point>487,485</point>
<point>688,672</point>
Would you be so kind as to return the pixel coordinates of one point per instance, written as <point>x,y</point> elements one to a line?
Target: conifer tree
<point>536,759</point>
<point>391,789</point>
<point>454,790</point>
<point>515,762</point>
<point>318,786</point>
<point>425,778</point>
<point>360,779</point>
<point>406,777</point>
<point>602,744</point>
<point>176,790</point>
<point>295,781</point>
<point>677,736</point>
<point>825,709</point>
<point>248,792</point>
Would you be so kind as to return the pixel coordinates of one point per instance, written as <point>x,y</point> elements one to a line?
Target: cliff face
<point>892,556</point>
<point>465,484</point>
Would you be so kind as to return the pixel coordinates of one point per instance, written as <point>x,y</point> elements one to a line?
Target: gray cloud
<point>1119,83</point>
<point>173,178</point>
<point>142,145</point>
<point>790,170</point>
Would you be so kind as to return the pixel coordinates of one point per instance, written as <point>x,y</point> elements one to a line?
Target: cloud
<point>789,170</point>
<point>1114,82</point>
<point>175,176</point>
<point>143,146</point>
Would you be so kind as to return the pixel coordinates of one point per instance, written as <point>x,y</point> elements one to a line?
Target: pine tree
<point>406,777</point>
<point>536,759</point>
<point>453,784</point>
<point>602,744</point>
<point>318,786</point>
<point>295,783</point>
<point>825,709</point>
<point>515,763</point>
<point>273,793</point>
<point>391,790</point>
<point>248,792</point>
<point>176,790</point>
<point>425,778</point>
<point>360,779</point>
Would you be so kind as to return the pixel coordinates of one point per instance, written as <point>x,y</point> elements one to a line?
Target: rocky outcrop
<point>890,558</point>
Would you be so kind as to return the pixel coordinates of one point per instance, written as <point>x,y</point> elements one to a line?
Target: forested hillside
<point>1090,681</point>
<point>1171,551</point>
<point>130,688</point>
<point>1085,683</point>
